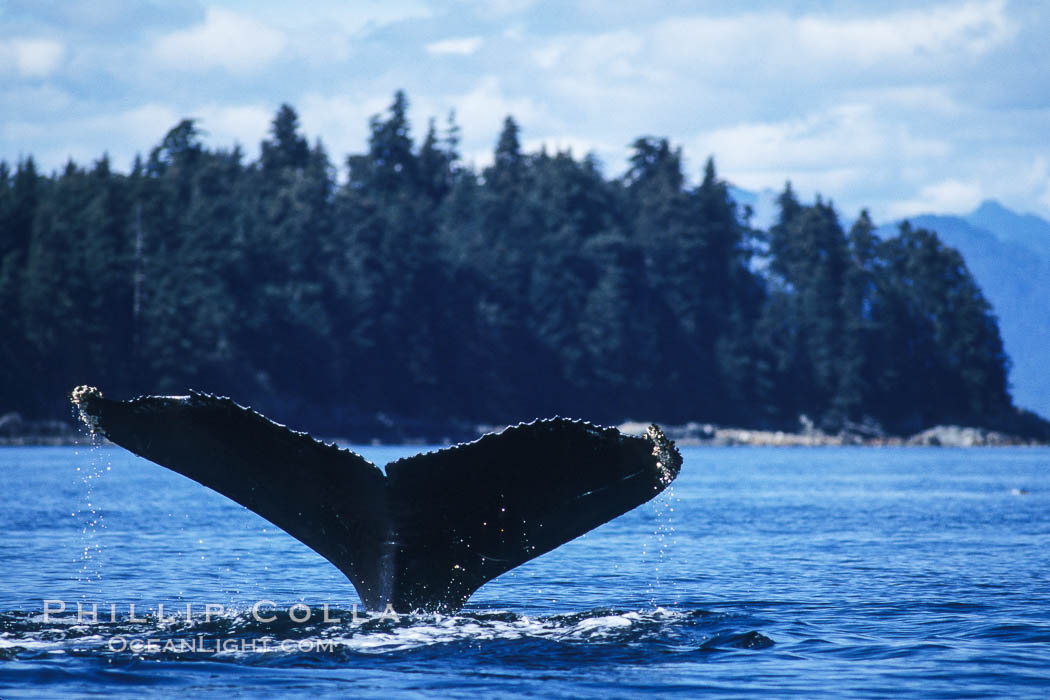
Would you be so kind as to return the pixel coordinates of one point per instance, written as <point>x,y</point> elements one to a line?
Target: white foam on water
<point>422,633</point>
<point>371,634</point>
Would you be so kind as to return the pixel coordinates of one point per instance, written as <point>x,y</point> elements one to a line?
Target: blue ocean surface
<point>837,572</point>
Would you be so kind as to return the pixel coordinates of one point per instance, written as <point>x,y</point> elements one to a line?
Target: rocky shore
<point>938,436</point>
<point>14,431</point>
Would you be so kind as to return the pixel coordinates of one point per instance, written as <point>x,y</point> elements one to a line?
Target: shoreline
<point>688,435</point>
<point>707,435</point>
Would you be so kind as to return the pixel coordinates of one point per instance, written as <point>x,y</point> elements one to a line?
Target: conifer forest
<point>420,290</point>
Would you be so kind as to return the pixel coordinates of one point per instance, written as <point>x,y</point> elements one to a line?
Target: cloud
<point>971,28</point>
<point>227,40</point>
<point>876,106</point>
<point>773,55</point>
<point>480,111</point>
<point>458,47</point>
<point>33,58</point>
<point>331,30</point>
<point>341,120</point>
<point>28,102</point>
<point>839,147</point>
<point>499,9</point>
<point>145,125</point>
<point>601,59</point>
<point>1044,197</point>
<point>945,197</point>
<point>1036,184</point>
<point>228,124</point>
<point>548,56</point>
<point>124,133</point>
<point>821,43</point>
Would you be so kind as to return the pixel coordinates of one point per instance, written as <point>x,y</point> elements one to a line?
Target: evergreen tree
<point>435,166</point>
<point>284,275</point>
<point>809,261</point>
<point>286,149</point>
<point>508,164</point>
<point>19,197</point>
<point>662,219</point>
<point>391,165</point>
<point>860,330</point>
<point>944,359</point>
<point>730,295</point>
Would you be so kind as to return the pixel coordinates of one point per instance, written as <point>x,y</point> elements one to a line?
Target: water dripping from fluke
<point>90,466</point>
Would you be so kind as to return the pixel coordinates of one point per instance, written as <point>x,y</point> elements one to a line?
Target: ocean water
<point>838,572</point>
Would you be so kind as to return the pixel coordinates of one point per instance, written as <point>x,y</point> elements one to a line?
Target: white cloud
<point>327,34</point>
<point>839,146</point>
<point>601,57</point>
<point>1037,184</point>
<point>33,58</point>
<point>344,17</point>
<point>458,47</point>
<point>945,197</point>
<point>931,100</point>
<point>482,109</point>
<point>228,40</point>
<point>1044,198</point>
<point>123,134</point>
<point>144,126</point>
<point>548,56</point>
<point>1019,181</point>
<point>26,102</point>
<point>971,28</point>
<point>500,9</point>
<point>341,121</point>
<point>773,45</point>
<point>866,105</point>
<point>225,125</point>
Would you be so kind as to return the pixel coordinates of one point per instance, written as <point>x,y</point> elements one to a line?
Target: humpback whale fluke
<point>431,530</point>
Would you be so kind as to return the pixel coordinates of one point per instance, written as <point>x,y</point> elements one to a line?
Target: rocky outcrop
<point>958,436</point>
<point>808,436</point>
<point>14,430</point>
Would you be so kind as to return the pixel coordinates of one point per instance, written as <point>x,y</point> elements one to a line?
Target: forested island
<point>421,295</point>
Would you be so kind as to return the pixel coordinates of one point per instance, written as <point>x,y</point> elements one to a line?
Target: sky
<point>899,107</point>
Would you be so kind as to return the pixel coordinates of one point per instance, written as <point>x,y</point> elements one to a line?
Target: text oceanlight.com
<point>205,645</point>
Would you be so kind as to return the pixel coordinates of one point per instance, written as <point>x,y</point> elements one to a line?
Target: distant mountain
<point>1027,230</point>
<point>1009,255</point>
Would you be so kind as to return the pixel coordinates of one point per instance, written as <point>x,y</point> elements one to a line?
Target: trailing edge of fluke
<point>431,530</point>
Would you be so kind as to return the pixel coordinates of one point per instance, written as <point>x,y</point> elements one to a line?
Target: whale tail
<point>431,530</point>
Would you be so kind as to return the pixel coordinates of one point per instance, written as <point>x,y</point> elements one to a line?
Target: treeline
<point>424,290</point>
